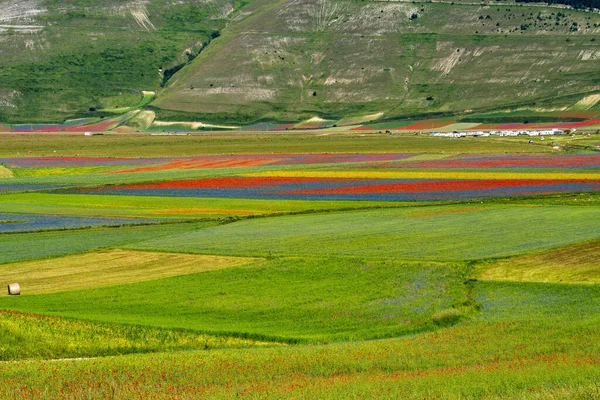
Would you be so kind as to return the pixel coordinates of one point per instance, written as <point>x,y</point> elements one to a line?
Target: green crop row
<point>434,233</point>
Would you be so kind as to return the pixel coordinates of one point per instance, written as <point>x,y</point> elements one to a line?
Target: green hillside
<point>243,61</point>
<point>335,58</point>
<point>64,58</point>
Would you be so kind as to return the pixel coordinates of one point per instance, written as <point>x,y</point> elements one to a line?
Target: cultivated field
<point>299,266</point>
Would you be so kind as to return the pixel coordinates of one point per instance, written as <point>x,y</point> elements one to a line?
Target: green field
<point>171,207</point>
<point>29,336</point>
<point>58,243</point>
<point>291,299</point>
<point>532,355</point>
<point>248,143</point>
<point>432,233</point>
<point>253,297</point>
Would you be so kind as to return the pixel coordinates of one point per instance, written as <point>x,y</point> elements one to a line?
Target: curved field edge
<point>34,336</point>
<point>294,299</point>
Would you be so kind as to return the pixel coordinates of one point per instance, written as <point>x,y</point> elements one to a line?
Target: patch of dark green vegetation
<point>191,55</point>
<point>576,4</point>
<point>518,119</point>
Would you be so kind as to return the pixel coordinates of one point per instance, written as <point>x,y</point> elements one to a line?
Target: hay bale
<point>14,289</point>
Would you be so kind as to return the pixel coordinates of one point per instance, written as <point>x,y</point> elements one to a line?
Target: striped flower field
<point>445,272</point>
<point>350,189</point>
<point>40,222</point>
<point>386,177</point>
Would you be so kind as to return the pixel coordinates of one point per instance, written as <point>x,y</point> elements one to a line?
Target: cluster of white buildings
<point>553,131</point>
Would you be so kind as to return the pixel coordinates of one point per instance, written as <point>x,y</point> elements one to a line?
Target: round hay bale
<point>14,289</point>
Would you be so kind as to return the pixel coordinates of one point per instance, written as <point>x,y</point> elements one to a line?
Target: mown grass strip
<point>579,263</point>
<point>108,268</point>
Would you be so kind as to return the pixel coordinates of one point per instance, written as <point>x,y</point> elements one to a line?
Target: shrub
<point>447,317</point>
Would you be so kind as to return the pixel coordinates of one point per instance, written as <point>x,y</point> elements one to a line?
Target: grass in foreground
<point>107,268</point>
<point>579,263</point>
<point>544,352</point>
<point>31,336</point>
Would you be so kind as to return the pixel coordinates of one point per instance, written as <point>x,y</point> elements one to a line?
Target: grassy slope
<point>95,54</point>
<point>531,341</point>
<point>572,264</point>
<point>447,233</point>
<point>320,299</point>
<point>108,268</point>
<point>78,55</point>
<point>297,59</point>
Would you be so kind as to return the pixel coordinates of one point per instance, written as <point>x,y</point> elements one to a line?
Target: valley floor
<point>299,266</point>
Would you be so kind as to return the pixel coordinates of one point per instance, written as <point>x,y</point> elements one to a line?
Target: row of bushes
<point>577,4</point>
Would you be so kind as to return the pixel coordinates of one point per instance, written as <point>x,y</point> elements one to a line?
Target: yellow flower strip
<point>56,171</point>
<point>427,175</point>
